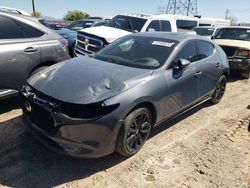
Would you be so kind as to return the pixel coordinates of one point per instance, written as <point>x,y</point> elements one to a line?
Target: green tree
<point>75,15</point>
<point>37,14</point>
<point>233,20</point>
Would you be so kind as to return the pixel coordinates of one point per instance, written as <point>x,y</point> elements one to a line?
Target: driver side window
<point>188,52</point>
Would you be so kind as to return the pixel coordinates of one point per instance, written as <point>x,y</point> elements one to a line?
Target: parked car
<point>205,31</point>
<point>85,23</point>
<point>70,33</point>
<point>235,41</point>
<point>26,46</point>
<point>91,106</point>
<point>91,40</point>
<point>214,22</point>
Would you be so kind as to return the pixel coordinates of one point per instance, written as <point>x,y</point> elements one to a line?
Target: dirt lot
<point>207,147</point>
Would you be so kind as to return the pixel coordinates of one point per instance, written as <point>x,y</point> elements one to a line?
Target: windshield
<point>81,24</point>
<point>204,31</point>
<point>233,34</point>
<point>128,23</point>
<point>138,51</point>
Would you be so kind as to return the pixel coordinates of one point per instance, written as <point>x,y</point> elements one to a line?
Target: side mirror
<point>212,37</point>
<point>151,30</point>
<point>181,64</point>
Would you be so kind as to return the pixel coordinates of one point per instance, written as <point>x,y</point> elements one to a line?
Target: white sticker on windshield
<point>248,31</point>
<point>161,43</point>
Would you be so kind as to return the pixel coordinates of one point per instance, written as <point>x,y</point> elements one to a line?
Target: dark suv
<point>26,46</point>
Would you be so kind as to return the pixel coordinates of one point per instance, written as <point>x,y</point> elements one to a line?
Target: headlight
<point>244,53</point>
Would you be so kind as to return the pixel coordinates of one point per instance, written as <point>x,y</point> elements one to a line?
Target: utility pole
<point>227,13</point>
<point>188,7</point>
<point>33,6</point>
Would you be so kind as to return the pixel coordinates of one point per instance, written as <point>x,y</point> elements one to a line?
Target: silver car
<point>26,46</point>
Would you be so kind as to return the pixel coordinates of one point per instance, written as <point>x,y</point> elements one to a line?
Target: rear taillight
<point>244,53</point>
<point>63,41</point>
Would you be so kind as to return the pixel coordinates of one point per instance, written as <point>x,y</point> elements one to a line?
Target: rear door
<point>18,53</point>
<point>209,65</point>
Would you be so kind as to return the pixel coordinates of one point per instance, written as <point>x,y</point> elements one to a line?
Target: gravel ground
<point>206,147</point>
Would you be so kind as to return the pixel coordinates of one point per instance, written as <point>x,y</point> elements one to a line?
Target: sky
<point>58,8</point>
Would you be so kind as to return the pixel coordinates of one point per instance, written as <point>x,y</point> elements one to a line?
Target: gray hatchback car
<point>26,46</point>
<point>91,106</point>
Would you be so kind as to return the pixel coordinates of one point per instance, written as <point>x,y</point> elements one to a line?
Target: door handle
<point>198,73</point>
<point>30,50</point>
<point>218,65</point>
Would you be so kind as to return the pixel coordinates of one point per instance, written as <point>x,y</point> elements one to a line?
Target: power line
<point>182,7</point>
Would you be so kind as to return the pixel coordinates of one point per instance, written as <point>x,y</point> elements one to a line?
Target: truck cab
<point>91,40</point>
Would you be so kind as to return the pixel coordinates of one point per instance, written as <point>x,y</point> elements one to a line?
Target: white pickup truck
<point>91,40</point>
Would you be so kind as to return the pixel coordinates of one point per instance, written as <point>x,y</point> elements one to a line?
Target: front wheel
<point>220,90</point>
<point>134,132</point>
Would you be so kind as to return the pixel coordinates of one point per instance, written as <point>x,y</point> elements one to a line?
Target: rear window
<point>205,49</point>
<point>29,31</point>
<point>186,24</point>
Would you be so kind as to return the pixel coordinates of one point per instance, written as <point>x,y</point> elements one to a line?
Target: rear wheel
<point>134,132</point>
<point>220,90</point>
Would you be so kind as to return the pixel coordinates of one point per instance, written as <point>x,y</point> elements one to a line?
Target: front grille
<point>38,113</point>
<point>230,51</point>
<point>88,43</point>
<point>40,117</point>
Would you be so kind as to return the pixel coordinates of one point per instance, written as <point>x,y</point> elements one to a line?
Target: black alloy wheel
<point>220,90</point>
<point>134,133</point>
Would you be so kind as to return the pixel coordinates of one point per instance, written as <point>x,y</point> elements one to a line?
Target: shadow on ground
<point>26,163</point>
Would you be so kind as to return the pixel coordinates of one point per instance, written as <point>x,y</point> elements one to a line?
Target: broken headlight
<point>87,110</point>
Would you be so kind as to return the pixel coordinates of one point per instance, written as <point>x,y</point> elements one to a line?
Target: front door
<point>183,86</point>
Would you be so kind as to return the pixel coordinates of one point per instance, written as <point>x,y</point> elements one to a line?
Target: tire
<point>37,70</point>
<point>220,90</point>
<point>71,51</point>
<point>246,73</point>
<point>134,132</point>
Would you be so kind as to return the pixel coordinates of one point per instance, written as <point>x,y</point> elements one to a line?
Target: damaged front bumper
<point>87,137</point>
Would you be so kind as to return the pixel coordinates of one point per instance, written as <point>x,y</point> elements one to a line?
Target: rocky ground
<point>207,147</point>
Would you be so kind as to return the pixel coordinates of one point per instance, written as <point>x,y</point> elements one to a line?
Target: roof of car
<point>13,15</point>
<point>168,35</point>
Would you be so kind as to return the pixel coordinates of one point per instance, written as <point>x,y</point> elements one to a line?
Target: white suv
<point>91,40</point>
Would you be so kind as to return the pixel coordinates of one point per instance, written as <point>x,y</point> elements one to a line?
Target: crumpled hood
<point>233,43</point>
<point>108,33</point>
<point>86,80</point>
